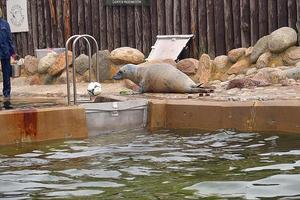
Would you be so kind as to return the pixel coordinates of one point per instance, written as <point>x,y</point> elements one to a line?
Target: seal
<point>159,78</point>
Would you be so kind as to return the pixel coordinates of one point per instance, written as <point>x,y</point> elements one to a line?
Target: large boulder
<point>104,64</point>
<point>203,74</point>
<point>281,39</point>
<point>293,73</point>
<point>60,64</point>
<point>259,48</point>
<point>188,66</point>
<point>270,75</point>
<point>82,64</point>
<point>240,65</point>
<point>31,64</point>
<point>47,62</point>
<point>291,56</point>
<point>125,55</point>
<point>235,54</point>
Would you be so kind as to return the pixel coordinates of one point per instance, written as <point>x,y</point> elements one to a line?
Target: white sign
<point>17,15</point>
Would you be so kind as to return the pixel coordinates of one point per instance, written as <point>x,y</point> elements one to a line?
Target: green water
<point>166,165</point>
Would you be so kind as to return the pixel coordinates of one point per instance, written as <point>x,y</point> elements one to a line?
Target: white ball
<point>94,88</point>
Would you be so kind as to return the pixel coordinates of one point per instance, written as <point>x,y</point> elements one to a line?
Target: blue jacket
<point>6,44</point>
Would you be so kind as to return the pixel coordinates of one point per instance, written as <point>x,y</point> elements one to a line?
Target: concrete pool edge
<point>42,124</point>
<point>250,116</point>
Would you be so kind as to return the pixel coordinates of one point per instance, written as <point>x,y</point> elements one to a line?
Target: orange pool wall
<point>253,116</point>
<point>33,125</point>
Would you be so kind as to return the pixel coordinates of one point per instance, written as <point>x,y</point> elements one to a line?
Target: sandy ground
<point>27,93</point>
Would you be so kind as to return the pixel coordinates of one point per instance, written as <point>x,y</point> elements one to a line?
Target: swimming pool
<point>165,165</point>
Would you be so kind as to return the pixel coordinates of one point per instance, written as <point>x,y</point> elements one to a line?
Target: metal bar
<point>90,67</point>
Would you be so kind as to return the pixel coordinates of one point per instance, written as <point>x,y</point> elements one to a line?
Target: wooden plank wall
<point>218,25</point>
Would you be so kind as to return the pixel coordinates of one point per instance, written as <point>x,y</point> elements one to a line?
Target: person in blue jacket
<point>6,51</point>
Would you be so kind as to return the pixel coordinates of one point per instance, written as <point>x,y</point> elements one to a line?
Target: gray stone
<point>104,64</point>
<point>251,71</point>
<point>291,56</point>
<point>221,63</point>
<point>82,64</point>
<point>259,48</point>
<point>281,39</point>
<point>125,55</point>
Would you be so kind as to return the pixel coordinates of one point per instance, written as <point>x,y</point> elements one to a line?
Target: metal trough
<point>103,118</point>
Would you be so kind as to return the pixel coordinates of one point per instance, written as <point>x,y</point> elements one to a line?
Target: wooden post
<point>245,23</point>
<point>272,17</point>
<point>229,39</point>
<point>130,26</point>
<point>236,23</point>
<point>138,28</point>
<point>116,27</point>
<point>210,27</point>
<point>219,27</point>
<point>123,24</point>
<point>103,26</point>
<point>254,21</point>
<point>282,13</point>
<point>67,22</point>
<point>263,17</point>
<point>153,14</point>
<point>146,28</point>
<point>202,27</point>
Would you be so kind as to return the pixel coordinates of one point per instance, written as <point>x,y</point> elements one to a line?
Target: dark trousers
<point>6,73</point>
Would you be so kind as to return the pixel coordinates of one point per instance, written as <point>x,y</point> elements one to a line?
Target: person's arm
<point>11,45</point>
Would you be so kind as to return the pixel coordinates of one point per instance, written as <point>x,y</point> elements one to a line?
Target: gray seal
<point>159,78</point>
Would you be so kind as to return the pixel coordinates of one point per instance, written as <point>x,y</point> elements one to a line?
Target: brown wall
<point>218,25</point>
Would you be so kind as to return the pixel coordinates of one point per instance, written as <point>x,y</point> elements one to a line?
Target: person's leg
<point>6,70</point>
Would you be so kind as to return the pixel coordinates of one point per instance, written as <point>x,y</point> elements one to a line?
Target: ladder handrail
<point>77,37</point>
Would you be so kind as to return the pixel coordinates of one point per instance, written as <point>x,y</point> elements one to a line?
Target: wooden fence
<point>218,25</point>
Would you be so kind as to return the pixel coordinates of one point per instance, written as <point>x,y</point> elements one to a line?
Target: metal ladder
<point>76,38</point>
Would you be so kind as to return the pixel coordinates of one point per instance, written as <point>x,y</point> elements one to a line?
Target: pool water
<point>165,165</point>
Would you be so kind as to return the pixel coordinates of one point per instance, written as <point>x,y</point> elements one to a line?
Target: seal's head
<point>126,72</point>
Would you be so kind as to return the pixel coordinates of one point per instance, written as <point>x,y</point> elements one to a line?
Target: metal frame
<point>77,37</point>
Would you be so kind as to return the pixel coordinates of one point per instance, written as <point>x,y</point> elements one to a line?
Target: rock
<point>221,63</point>
<point>35,80</point>
<point>60,64</point>
<point>248,51</point>
<point>232,76</point>
<point>263,60</point>
<point>239,65</point>
<point>31,64</point>
<point>82,64</point>
<point>235,54</point>
<point>103,64</point>
<point>46,62</point>
<point>125,55</point>
<point>291,56</point>
<point>85,77</point>
<point>297,64</point>
<point>278,76</point>
<point>245,83</point>
<point>259,48</point>
<point>203,74</point>
<point>281,39</point>
<point>275,61</point>
<point>62,79</point>
<point>293,73</point>
<point>49,80</point>
<point>251,71</point>
<point>188,66</point>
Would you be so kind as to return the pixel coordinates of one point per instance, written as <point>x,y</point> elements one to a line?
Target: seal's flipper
<point>197,85</point>
<point>201,90</point>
